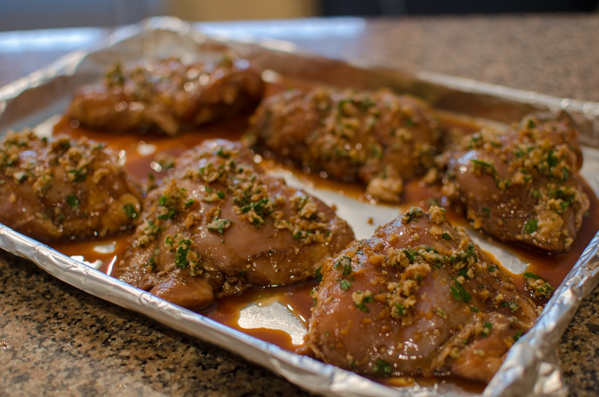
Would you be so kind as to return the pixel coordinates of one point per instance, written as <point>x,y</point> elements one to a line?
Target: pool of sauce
<point>140,151</point>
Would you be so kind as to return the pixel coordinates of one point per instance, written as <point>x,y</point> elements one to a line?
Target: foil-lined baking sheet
<point>531,365</point>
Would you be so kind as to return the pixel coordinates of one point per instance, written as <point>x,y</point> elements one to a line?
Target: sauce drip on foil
<point>139,151</point>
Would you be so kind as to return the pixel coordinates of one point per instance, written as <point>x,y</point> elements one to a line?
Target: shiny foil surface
<point>531,365</point>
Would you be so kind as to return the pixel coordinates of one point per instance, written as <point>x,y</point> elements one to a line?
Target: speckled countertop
<point>55,339</point>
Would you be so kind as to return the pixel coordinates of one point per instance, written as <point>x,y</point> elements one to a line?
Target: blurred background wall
<point>41,14</point>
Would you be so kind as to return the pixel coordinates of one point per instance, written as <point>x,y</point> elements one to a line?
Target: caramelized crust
<point>167,96</point>
<point>63,189</point>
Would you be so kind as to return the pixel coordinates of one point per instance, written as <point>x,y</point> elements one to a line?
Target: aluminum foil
<point>531,365</point>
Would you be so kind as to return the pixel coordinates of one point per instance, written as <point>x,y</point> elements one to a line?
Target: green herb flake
<point>361,306</point>
<point>531,226</point>
<point>382,367</point>
<point>551,159</point>
<point>181,256</point>
<point>219,225</point>
<point>531,275</point>
<point>401,309</point>
<point>222,153</point>
<point>73,201</point>
<point>412,214</point>
<point>411,254</point>
<point>458,292</point>
<point>319,274</point>
<point>440,312</point>
<point>486,329</point>
<point>565,174</point>
<point>531,124</point>
<point>518,335</point>
<point>513,306</point>
<point>488,167</point>
<point>130,211</point>
<point>345,284</point>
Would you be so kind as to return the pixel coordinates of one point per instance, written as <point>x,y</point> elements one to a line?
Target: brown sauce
<point>297,297</point>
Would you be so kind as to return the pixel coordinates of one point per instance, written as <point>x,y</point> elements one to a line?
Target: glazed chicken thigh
<point>418,298</point>
<point>378,138</point>
<point>63,189</point>
<point>219,224</point>
<point>523,185</point>
<point>167,96</point>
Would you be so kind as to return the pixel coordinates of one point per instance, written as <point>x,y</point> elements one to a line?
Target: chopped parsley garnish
<point>531,124</point>
<point>565,174</point>
<point>345,284</point>
<point>181,255</point>
<point>487,167</point>
<point>319,274</point>
<point>551,159</point>
<point>463,272</point>
<point>531,226</point>
<point>219,225</point>
<point>361,306</point>
<point>223,154</point>
<point>130,210</point>
<point>79,175</point>
<point>412,214</point>
<point>382,367</point>
<point>487,329</point>
<point>411,254</point>
<point>458,292</point>
<point>531,275</point>
<point>518,335</point>
<point>345,264</point>
<point>513,306</point>
<point>73,201</point>
<point>169,215</point>
<point>440,312</point>
<point>401,309</point>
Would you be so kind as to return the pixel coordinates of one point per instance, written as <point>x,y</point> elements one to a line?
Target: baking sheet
<point>530,367</point>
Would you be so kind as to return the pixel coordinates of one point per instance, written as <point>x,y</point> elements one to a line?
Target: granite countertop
<point>55,339</point>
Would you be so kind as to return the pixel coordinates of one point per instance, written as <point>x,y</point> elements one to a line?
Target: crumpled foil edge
<point>531,365</point>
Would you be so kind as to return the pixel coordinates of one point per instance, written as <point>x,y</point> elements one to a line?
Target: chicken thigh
<point>167,95</point>
<point>63,189</point>
<point>418,298</point>
<point>378,138</point>
<point>219,224</point>
<point>523,185</point>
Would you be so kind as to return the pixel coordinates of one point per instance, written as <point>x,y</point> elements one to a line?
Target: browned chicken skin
<point>58,188</point>
<point>418,298</point>
<point>378,138</point>
<point>220,224</point>
<point>523,185</point>
<point>167,95</point>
